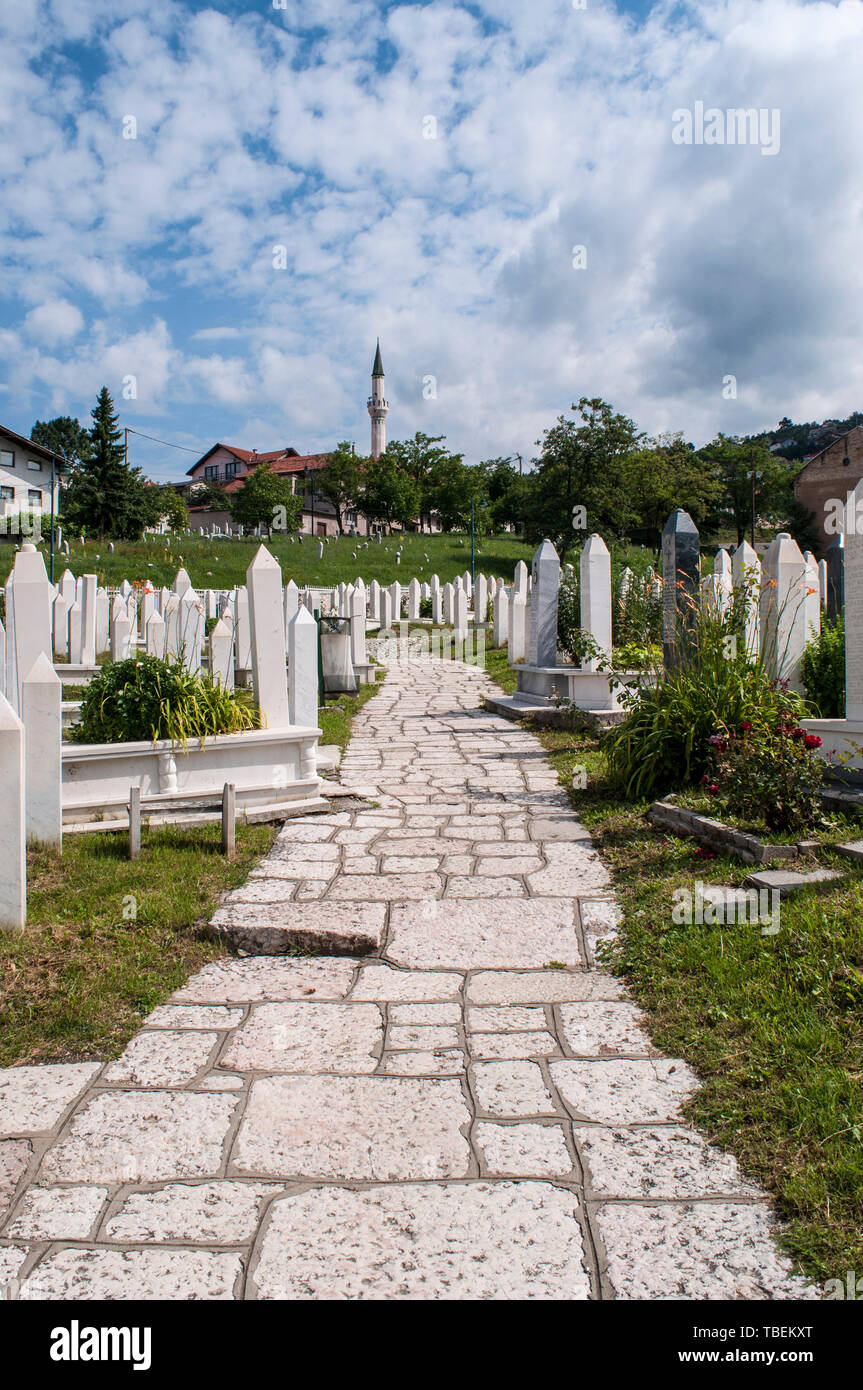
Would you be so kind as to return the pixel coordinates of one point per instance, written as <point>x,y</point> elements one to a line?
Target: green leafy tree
<point>579,484</point>
<point>265,499</point>
<point>210,495</point>
<point>452,485</point>
<point>506,491</point>
<point>389,494</point>
<point>62,435</point>
<point>665,474</point>
<point>105,494</point>
<point>738,464</point>
<point>340,482</point>
<point>421,460</point>
<point>171,507</point>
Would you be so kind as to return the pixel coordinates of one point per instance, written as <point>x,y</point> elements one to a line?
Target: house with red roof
<point>226,466</point>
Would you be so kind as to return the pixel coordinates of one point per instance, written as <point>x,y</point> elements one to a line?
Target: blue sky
<point>429,170</point>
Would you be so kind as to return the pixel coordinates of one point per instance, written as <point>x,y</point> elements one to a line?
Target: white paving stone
<point>377,1128</point>
<point>58,1213</point>
<point>218,1213</point>
<point>34,1099</point>
<point>527,1150</point>
<point>621,1093</point>
<point>505,1241</point>
<point>701,1250</point>
<point>308,1037</point>
<point>149,1274</point>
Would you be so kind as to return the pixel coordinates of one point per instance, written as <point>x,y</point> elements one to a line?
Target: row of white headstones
<point>785,592</point>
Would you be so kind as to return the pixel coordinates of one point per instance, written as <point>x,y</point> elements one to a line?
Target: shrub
<point>145,698</point>
<point>425,607</point>
<point>823,669</point>
<point>574,641</point>
<point>770,775</point>
<point>714,688</point>
<point>637,613</point>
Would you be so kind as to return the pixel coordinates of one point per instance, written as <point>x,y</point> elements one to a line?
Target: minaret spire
<point>378,407</point>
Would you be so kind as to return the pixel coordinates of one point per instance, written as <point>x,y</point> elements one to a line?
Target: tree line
<point>595,471</point>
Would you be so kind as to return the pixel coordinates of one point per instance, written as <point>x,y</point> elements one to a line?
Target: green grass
<point>222,564</point>
<point>773,1025</point>
<point>334,721</point>
<point>77,983</point>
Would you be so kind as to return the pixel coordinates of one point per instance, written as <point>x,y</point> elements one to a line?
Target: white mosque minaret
<point>378,408</point>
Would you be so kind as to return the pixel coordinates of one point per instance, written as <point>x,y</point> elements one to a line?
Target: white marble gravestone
<point>266,617</point>
<point>42,718</point>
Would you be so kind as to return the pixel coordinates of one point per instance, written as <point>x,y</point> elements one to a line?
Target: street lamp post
<point>483,504</point>
<point>63,470</point>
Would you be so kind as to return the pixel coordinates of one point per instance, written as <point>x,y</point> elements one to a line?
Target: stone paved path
<point>474,1112</point>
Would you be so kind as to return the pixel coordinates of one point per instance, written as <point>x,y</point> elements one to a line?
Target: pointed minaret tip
<point>378,368</point>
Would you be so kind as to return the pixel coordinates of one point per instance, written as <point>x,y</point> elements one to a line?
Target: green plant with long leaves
<point>714,687</point>
<point>823,669</point>
<point>145,698</point>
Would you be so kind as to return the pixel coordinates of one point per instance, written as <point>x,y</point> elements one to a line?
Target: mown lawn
<point>773,1025</point>
<point>222,564</point>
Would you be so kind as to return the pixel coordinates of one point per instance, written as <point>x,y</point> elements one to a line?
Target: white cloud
<point>553,130</point>
<point>54,321</point>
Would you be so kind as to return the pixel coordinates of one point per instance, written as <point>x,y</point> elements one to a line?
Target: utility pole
<point>518,456</point>
<point>126,447</point>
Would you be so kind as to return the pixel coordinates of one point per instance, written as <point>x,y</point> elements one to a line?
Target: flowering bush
<point>771,775</point>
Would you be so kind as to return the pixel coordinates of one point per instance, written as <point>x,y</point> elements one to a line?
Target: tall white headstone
<point>746,576</point>
<point>221,643</point>
<point>358,625</point>
<point>545,583</point>
<point>89,589</point>
<point>155,636</point>
<point>783,609</point>
<point>13,856</point>
<point>595,595</point>
<point>28,620</point>
<point>61,625</point>
<point>266,616</point>
<point>303,668</point>
<point>42,718</point>
<point>413,600</point>
<point>499,617</point>
<point>480,599</point>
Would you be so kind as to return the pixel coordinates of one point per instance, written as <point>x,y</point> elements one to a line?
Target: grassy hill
<point>221,564</point>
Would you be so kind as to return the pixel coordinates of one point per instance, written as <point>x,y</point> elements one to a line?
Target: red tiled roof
<point>301,463</point>
<point>281,459</point>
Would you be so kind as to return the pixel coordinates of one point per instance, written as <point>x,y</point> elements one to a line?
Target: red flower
<point>812,741</point>
<point>798,734</point>
<point>713,789</point>
<point>745,727</point>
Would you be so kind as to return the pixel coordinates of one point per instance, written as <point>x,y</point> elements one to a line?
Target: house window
<point>7,494</point>
<point>34,497</point>
<point>211,472</point>
<point>7,459</point>
<point>33,466</point>
<point>231,470</point>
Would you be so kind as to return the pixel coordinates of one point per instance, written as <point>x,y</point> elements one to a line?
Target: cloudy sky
<point>429,171</point>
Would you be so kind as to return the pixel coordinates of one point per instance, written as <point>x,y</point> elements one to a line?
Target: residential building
<point>823,483</point>
<point>25,476</point>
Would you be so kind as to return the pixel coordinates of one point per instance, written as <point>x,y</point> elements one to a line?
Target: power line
<point>166,442</point>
